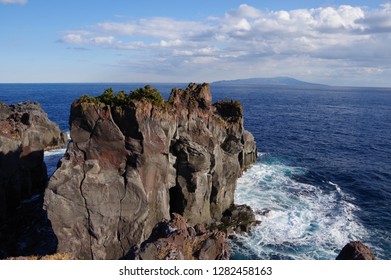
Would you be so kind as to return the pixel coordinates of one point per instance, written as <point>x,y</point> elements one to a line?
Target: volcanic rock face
<point>130,166</point>
<point>25,131</point>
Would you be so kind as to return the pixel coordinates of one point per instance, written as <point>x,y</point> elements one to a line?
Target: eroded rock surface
<point>175,240</point>
<point>238,219</point>
<point>130,166</point>
<point>356,250</point>
<point>25,132</point>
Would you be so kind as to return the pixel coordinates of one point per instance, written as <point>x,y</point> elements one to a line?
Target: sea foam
<point>51,159</point>
<point>305,221</point>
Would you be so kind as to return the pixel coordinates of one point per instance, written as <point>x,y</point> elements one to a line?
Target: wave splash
<point>305,221</point>
<point>52,157</point>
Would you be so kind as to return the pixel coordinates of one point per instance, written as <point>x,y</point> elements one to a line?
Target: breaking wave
<point>52,157</point>
<point>299,220</point>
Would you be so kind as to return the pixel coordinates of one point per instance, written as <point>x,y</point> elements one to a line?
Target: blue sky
<point>331,42</point>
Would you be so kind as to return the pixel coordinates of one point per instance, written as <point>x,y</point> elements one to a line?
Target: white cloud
<point>151,28</point>
<point>131,46</point>
<point>378,21</point>
<point>13,2</point>
<point>345,17</point>
<point>172,43</point>
<point>103,40</point>
<point>243,25</point>
<point>287,42</point>
<point>73,38</point>
<point>245,11</point>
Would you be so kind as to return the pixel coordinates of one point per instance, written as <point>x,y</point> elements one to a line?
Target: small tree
<point>148,93</point>
<point>107,97</point>
<point>121,98</point>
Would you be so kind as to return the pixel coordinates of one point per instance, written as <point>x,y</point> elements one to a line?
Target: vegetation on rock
<point>147,93</point>
<point>229,110</point>
<point>108,97</point>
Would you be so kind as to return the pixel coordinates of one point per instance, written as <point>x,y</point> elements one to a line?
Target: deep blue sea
<point>324,166</point>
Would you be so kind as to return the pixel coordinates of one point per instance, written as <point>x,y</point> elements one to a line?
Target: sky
<point>343,43</point>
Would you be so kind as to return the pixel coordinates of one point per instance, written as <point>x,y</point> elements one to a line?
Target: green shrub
<point>109,98</point>
<point>121,98</point>
<point>147,93</point>
<point>229,110</point>
<point>87,99</point>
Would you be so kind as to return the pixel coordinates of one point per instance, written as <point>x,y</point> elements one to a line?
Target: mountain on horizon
<point>283,81</point>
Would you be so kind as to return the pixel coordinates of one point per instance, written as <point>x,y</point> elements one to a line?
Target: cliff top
<point>196,97</point>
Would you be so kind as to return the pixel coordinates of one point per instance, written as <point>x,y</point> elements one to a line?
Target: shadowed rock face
<point>25,132</point>
<point>129,167</point>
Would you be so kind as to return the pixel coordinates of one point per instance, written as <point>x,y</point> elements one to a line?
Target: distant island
<point>283,81</point>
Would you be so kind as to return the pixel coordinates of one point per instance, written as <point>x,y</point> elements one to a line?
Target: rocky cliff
<point>25,132</point>
<point>135,160</point>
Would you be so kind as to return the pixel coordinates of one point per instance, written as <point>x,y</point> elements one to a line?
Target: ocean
<point>324,168</point>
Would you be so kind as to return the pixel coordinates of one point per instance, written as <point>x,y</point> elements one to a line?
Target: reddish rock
<point>356,250</point>
<point>170,242</point>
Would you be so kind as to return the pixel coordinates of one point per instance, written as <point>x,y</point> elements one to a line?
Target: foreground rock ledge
<point>130,166</point>
<point>175,240</point>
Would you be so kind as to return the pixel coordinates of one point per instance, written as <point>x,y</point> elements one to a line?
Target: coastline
<point>268,136</point>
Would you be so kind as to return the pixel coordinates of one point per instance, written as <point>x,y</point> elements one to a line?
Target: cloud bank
<point>321,44</point>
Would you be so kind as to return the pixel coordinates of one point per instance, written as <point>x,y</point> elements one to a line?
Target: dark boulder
<point>356,250</point>
<point>238,219</point>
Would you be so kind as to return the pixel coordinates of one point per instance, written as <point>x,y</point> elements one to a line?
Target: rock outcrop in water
<point>356,250</point>
<point>175,240</point>
<point>25,132</point>
<point>132,164</point>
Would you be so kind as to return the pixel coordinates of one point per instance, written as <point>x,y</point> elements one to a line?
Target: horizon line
<point>310,84</point>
